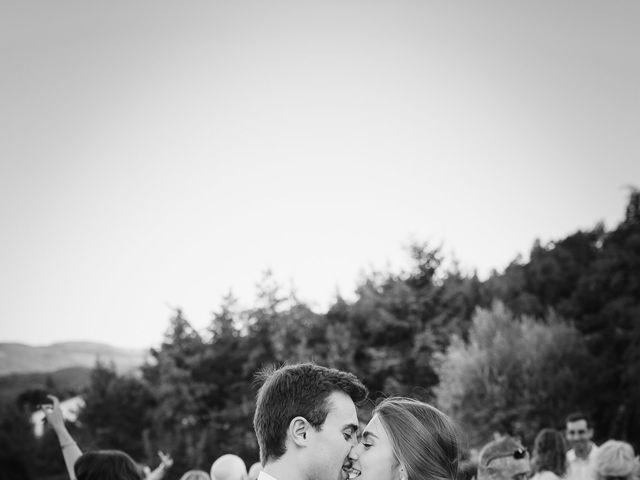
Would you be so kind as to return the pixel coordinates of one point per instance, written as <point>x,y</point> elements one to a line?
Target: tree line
<point>557,332</point>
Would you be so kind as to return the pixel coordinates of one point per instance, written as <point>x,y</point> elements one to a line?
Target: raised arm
<point>70,450</point>
<point>165,464</point>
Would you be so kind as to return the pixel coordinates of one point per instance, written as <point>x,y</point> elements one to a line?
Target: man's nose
<point>354,453</point>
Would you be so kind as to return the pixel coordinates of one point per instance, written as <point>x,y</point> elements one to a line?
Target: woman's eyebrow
<point>367,434</point>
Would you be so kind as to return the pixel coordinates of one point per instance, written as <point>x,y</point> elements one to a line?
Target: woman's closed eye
<point>368,438</point>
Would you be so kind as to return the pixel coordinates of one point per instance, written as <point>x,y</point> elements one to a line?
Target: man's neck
<point>584,454</point>
<point>282,469</point>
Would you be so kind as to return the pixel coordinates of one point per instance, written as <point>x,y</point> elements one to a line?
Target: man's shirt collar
<point>265,476</point>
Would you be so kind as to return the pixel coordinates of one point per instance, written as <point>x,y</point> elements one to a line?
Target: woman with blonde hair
<point>407,440</point>
<point>616,460</point>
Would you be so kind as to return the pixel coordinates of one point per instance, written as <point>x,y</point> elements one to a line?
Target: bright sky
<point>157,154</point>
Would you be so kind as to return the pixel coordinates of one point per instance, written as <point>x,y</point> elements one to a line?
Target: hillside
<point>64,382</point>
<point>21,358</point>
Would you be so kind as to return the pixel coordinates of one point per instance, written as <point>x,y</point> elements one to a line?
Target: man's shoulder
<point>593,451</point>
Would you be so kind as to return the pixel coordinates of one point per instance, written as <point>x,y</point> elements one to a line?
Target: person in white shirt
<point>306,422</point>
<point>582,450</point>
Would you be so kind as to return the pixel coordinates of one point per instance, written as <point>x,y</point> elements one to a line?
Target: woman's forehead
<point>375,426</point>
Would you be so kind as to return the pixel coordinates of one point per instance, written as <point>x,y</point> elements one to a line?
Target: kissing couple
<point>307,429</point>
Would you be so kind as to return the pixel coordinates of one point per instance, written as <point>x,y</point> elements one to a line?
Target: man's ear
<point>299,431</point>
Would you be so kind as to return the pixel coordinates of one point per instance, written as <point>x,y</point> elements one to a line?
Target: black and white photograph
<point>319,240</point>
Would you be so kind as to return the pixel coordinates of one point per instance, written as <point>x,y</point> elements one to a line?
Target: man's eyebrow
<point>351,426</point>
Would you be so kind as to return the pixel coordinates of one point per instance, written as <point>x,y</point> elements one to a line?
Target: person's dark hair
<point>107,465</point>
<point>296,390</point>
<point>576,416</point>
<point>195,475</point>
<point>549,452</point>
<point>424,440</point>
<point>467,470</point>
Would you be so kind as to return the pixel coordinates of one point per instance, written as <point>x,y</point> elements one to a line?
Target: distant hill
<point>66,381</point>
<point>21,358</point>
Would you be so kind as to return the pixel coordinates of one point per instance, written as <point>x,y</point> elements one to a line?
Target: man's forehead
<point>506,467</point>
<point>577,425</point>
<point>342,409</point>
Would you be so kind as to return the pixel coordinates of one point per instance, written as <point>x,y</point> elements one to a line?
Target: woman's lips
<point>351,472</point>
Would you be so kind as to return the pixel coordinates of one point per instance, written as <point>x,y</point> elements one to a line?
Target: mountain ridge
<point>16,357</point>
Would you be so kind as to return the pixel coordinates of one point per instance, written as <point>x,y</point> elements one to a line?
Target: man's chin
<point>580,446</point>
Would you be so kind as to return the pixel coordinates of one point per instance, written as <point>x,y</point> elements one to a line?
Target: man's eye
<point>347,436</point>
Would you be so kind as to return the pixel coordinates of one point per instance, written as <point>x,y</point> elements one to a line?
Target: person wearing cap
<point>616,460</point>
<point>504,459</point>
<point>582,450</point>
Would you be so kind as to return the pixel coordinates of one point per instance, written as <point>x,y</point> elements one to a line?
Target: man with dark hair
<point>503,459</point>
<point>580,457</point>
<point>306,422</point>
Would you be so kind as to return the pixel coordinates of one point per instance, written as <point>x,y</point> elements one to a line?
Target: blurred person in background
<point>468,470</point>
<point>254,471</point>
<point>195,475</point>
<point>616,460</point>
<point>106,465</point>
<point>549,459</point>
<point>70,450</point>
<point>504,459</point>
<point>159,472</point>
<point>228,467</point>
<point>582,450</point>
<point>99,464</point>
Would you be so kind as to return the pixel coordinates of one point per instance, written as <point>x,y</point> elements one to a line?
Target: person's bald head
<point>255,470</point>
<point>229,467</point>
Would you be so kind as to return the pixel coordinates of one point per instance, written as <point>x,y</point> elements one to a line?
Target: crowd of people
<point>307,428</point>
<point>507,459</point>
